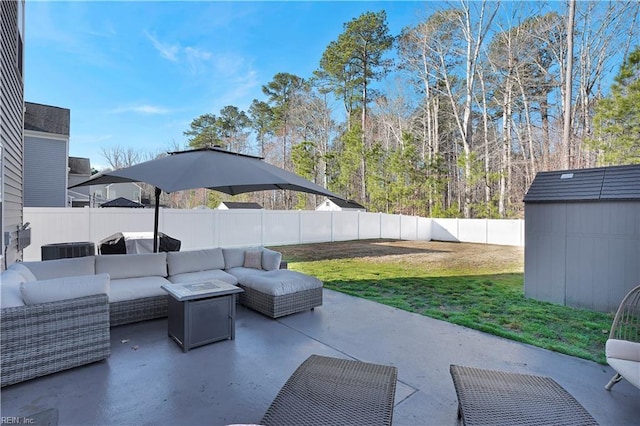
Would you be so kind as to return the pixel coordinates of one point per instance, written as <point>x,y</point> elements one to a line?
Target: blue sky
<point>134,74</point>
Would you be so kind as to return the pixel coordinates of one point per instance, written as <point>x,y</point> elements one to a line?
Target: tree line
<point>455,115</point>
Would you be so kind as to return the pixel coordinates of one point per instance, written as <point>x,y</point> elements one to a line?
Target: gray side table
<point>201,313</point>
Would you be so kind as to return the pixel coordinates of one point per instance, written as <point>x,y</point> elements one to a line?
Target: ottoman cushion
<point>280,282</point>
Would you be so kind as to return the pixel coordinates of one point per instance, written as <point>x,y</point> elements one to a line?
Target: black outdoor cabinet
<point>66,250</point>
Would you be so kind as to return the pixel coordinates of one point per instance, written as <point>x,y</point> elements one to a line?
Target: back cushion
<point>132,265</point>
<point>64,288</point>
<point>271,259</point>
<point>180,262</point>
<point>233,257</point>
<point>49,269</point>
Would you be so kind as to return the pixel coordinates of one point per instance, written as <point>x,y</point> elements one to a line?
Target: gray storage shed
<point>582,236</point>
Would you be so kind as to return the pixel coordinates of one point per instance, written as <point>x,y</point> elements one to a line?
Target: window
<point>20,35</point>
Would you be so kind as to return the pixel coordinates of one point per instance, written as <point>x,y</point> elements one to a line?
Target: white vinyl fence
<point>198,229</point>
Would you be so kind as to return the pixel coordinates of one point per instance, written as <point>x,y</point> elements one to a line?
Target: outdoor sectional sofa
<point>56,314</point>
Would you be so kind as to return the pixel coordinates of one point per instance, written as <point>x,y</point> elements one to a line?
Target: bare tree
<point>568,81</point>
<point>119,157</point>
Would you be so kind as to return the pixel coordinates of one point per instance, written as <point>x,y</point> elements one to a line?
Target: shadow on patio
<point>149,380</point>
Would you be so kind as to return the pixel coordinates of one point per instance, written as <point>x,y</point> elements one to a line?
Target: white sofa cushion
<point>280,282</point>
<point>233,257</point>
<point>623,349</point>
<point>271,259</point>
<point>64,288</point>
<point>179,262</point>
<point>241,272</point>
<point>203,276</point>
<point>10,295</point>
<point>120,266</point>
<point>137,288</point>
<point>22,270</point>
<point>59,268</point>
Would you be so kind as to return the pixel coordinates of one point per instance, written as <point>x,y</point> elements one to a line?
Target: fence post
<point>262,228</point>
<point>486,230</point>
<point>332,227</point>
<point>89,233</point>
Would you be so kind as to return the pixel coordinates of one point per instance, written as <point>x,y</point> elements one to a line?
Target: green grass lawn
<point>477,297</point>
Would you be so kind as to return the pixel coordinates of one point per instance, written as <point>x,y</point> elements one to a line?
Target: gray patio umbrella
<point>212,168</point>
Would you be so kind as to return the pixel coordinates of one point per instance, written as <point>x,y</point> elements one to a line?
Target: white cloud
<point>167,51</point>
<point>141,109</point>
<point>192,57</point>
<point>195,53</point>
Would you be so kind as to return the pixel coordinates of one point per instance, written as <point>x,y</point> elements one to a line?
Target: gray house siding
<point>11,124</point>
<point>46,155</point>
<point>128,190</point>
<point>583,251</point>
<point>45,172</point>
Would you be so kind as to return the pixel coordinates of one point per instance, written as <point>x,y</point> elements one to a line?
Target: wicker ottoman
<point>280,292</point>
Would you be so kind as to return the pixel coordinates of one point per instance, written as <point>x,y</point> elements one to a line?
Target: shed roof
<point>122,202</point>
<point>347,204</point>
<point>241,205</point>
<point>620,183</point>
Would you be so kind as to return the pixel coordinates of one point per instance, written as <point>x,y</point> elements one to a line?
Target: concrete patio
<point>149,380</point>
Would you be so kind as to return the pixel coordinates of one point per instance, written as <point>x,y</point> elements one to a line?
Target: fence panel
<point>369,225</point>
<point>472,230</point>
<point>199,229</point>
<point>281,228</point>
<point>196,229</point>
<point>444,229</point>
<point>390,226</point>
<point>314,227</point>
<point>346,226</point>
<point>239,228</point>
<point>509,232</point>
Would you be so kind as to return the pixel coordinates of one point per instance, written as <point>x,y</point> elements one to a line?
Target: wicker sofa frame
<point>278,306</point>
<point>147,308</point>
<point>45,338</point>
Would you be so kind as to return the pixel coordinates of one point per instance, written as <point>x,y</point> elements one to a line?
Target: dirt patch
<point>439,255</point>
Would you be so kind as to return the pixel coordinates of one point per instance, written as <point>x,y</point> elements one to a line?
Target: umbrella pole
<point>155,223</point>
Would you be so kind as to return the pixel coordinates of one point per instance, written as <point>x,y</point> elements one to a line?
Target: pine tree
<point>617,118</point>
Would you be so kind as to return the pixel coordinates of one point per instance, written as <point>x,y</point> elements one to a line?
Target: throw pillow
<point>253,259</point>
